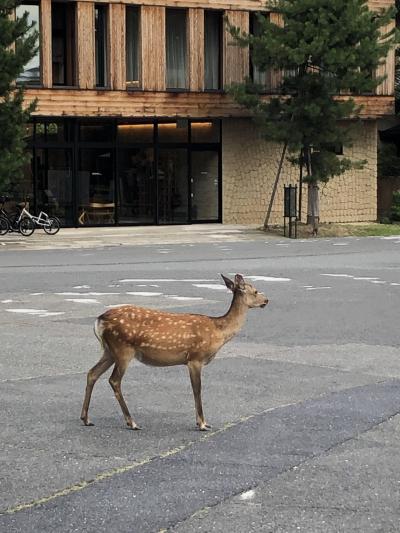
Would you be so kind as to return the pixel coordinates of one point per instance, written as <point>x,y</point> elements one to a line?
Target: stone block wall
<point>250,164</point>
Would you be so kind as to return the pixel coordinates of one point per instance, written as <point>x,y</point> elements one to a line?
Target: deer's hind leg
<point>121,364</point>
<point>93,375</point>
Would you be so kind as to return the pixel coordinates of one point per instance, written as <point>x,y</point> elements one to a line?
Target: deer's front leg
<point>195,379</point>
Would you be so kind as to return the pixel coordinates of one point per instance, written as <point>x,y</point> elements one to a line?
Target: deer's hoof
<point>204,427</point>
<point>134,427</point>
<point>87,423</point>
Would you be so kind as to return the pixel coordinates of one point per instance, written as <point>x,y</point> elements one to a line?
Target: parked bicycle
<point>26,223</point>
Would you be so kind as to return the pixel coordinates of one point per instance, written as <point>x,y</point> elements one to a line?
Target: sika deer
<point>159,338</point>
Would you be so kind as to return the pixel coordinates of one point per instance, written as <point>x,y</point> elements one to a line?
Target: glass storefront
<point>107,172</point>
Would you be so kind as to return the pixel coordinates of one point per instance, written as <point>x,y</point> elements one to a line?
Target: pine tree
<point>324,48</point>
<point>18,44</point>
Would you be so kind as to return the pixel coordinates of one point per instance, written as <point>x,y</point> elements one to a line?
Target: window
<point>63,43</point>
<point>212,50</point>
<point>100,44</point>
<point>176,35</point>
<point>257,76</point>
<point>132,46</point>
<point>31,72</point>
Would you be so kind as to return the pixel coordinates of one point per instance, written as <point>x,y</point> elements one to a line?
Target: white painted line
<point>183,298</point>
<point>36,293</point>
<point>82,287</point>
<point>379,282</point>
<point>365,279</point>
<point>144,293</point>
<point>83,300</point>
<point>317,288</point>
<point>210,286</point>
<point>36,312</point>
<point>160,280</point>
<point>266,278</point>
<point>248,495</point>
<point>86,293</point>
<point>395,284</point>
<point>6,301</point>
<point>338,275</point>
<point>340,244</point>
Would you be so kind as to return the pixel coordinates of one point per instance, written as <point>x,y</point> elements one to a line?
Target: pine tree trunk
<point>313,207</point>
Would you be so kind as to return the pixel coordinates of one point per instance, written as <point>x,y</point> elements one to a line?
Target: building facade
<point>134,126</point>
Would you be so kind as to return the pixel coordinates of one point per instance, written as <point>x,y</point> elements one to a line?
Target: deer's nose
<point>265,302</point>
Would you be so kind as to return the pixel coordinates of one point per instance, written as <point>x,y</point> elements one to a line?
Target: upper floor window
<point>212,50</point>
<point>258,76</point>
<point>176,36</point>
<point>63,20</point>
<point>132,46</point>
<point>31,72</point>
<point>100,32</point>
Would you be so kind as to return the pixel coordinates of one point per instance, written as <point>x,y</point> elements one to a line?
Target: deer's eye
<point>255,292</point>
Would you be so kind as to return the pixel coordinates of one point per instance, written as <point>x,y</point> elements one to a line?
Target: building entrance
<point>105,172</point>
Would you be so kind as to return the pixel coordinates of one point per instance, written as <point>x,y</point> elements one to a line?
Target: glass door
<point>205,188</point>
<point>136,186</point>
<point>96,204</point>
<point>172,186</point>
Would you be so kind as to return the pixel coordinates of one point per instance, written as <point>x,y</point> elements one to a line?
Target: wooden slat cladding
<point>70,102</point>
<point>387,68</point>
<point>85,44</point>
<point>254,5</point>
<point>196,49</point>
<point>153,48</point>
<point>276,75</point>
<point>380,4</point>
<point>236,58</point>
<point>45,43</point>
<point>117,67</point>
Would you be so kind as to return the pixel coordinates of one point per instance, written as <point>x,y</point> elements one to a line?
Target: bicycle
<point>7,222</point>
<point>27,223</point>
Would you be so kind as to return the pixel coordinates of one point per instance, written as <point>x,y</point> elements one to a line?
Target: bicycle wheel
<point>53,226</point>
<point>26,226</point>
<point>4,225</point>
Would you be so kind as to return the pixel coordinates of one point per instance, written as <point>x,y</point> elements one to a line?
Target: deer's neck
<point>233,320</point>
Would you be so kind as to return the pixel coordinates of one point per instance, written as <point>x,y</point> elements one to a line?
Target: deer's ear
<point>239,282</point>
<point>228,282</point>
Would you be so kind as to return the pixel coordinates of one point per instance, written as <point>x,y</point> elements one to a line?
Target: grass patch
<point>360,229</point>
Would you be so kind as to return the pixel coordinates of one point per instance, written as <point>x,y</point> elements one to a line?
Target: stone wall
<point>249,167</point>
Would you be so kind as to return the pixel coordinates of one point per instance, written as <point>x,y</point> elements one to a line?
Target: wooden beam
<point>153,48</point>
<point>46,43</point>
<point>196,49</point>
<point>116,32</point>
<point>92,103</point>
<point>85,44</point>
<point>236,58</point>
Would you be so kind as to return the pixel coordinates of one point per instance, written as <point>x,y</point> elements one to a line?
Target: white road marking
<point>161,280</point>
<point>6,301</point>
<point>82,287</point>
<point>338,275</point>
<point>316,288</point>
<point>266,278</point>
<point>210,286</point>
<point>248,495</point>
<point>340,244</point>
<point>185,298</point>
<point>37,312</point>
<point>143,293</point>
<point>86,293</point>
<point>82,300</point>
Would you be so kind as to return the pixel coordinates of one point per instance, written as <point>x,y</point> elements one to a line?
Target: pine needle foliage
<point>18,44</point>
<point>324,48</point>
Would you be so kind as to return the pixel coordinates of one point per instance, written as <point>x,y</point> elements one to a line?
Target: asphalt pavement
<point>304,402</point>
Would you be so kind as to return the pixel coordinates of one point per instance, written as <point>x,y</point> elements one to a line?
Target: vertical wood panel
<point>116,32</point>
<point>85,44</point>
<point>45,43</point>
<point>276,75</point>
<point>196,49</point>
<point>153,48</point>
<point>236,58</point>
<point>387,68</point>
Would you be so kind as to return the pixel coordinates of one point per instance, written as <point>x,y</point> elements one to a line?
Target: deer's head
<point>249,294</point>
